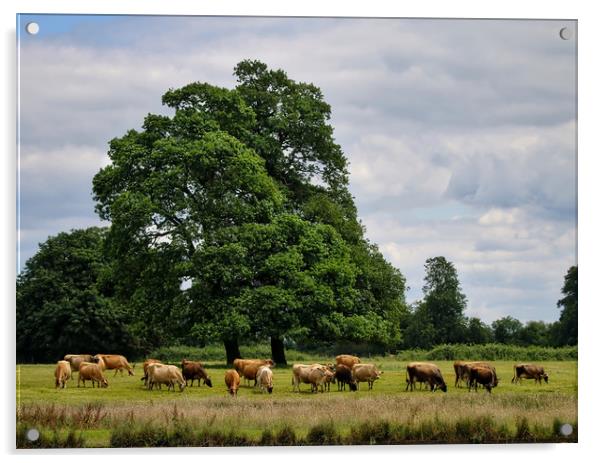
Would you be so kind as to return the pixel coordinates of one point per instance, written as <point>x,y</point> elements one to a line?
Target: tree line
<point>231,221</point>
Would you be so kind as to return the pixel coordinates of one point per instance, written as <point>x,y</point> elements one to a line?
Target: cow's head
<point>104,382</point>
<point>270,389</point>
<point>353,386</point>
<point>545,377</point>
<point>233,391</point>
<point>443,386</point>
<point>208,382</point>
<point>182,385</point>
<point>269,362</point>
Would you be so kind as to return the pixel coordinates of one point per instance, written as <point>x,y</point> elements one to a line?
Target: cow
<point>115,362</point>
<point>75,360</point>
<point>91,372</point>
<point>145,365</point>
<point>241,364</point>
<point>194,370</point>
<point>343,377</point>
<point>250,370</point>
<point>165,374</point>
<point>482,375</point>
<point>462,370</point>
<point>62,373</point>
<point>529,371</point>
<point>424,373</point>
<point>301,374</point>
<point>232,379</point>
<point>265,379</point>
<point>365,372</point>
<point>347,360</point>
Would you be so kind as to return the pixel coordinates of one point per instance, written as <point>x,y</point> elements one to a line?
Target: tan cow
<point>75,360</point>
<point>194,370</point>
<point>529,371</point>
<point>301,374</point>
<point>62,373</point>
<point>115,362</point>
<point>250,369</point>
<point>170,375</point>
<point>265,379</point>
<point>424,373</point>
<point>365,372</point>
<point>240,365</point>
<point>232,379</point>
<point>347,360</point>
<point>91,372</point>
<point>145,365</point>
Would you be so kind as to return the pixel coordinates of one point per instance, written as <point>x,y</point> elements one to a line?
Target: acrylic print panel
<point>212,210</point>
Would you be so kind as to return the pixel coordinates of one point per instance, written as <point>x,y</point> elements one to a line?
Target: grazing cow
<point>424,373</point>
<point>91,372</point>
<point>365,372</point>
<point>165,374</point>
<point>241,364</point>
<point>194,370</point>
<point>320,378</point>
<point>75,360</point>
<point>484,376</point>
<point>62,373</point>
<point>343,377</point>
<point>462,370</point>
<point>265,378</point>
<point>232,381</point>
<point>145,366</point>
<point>301,374</point>
<point>347,360</point>
<point>529,371</point>
<point>115,362</point>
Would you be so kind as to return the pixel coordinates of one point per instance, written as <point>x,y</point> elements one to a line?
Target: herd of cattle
<point>347,371</point>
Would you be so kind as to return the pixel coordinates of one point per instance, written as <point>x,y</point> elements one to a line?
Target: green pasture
<point>96,412</point>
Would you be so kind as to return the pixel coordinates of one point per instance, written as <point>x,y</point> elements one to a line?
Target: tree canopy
<point>243,193</point>
<point>64,300</point>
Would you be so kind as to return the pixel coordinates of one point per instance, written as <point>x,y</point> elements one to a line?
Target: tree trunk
<point>232,350</point>
<point>278,355</point>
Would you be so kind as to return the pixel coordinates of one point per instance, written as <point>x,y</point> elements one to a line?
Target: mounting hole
<point>566,429</point>
<point>566,33</point>
<point>32,28</point>
<point>32,434</point>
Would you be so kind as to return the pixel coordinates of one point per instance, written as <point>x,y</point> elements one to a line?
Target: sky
<point>460,134</point>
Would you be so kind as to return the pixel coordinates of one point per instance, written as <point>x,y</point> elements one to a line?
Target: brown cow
<point>365,372</point>
<point>75,360</point>
<point>347,360</point>
<point>194,370</point>
<point>343,377</point>
<point>91,372</point>
<point>62,373</point>
<point>232,379</point>
<point>462,370</point>
<point>424,373</point>
<point>529,371</point>
<point>241,364</point>
<point>115,362</point>
<point>482,375</point>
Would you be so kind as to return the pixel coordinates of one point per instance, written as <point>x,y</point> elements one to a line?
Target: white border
<point>589,216</point>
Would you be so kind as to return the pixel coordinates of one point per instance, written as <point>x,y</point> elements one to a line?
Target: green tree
<point>478,332</point>
<point>443,300</point>
<point>567,324</point>
<point>506,330</point>
<point>64,302</point>
<point>420,332</point>
<point>226,159</point>
<point>534,333</point>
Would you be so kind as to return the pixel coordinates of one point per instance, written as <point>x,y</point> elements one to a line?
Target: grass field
<point>515,413</point>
